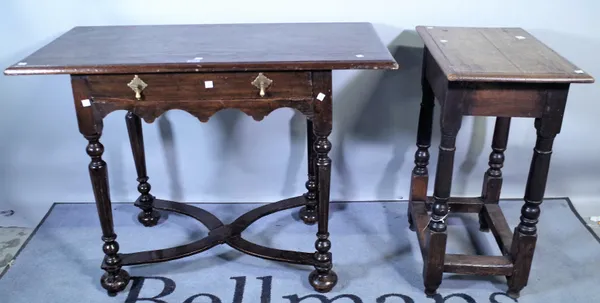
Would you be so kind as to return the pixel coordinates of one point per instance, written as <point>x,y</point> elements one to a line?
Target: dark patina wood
<point>202,69</point>
<point>420,174</point>
<point>148,216</point>
<point>209,48</point>
<point>497,55</point>
<point>323,278</point>
<point>220,233</point>
<point>115,279</point>
<point>308,213</point>
<point>184,91</point>
<point>475,265</point>
<point>459,204</point>
<point>492,180</point>
<point>496,221</point>
<point>192,87</point>
<point>502,72</point>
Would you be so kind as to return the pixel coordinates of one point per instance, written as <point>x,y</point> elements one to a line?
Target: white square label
<point>321,96</point>
<point>208,84</point>
<point>86,103</point>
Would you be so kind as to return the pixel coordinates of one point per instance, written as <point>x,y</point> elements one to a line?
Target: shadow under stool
<point>500,72</point>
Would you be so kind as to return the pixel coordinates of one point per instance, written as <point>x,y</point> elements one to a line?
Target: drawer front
<point>203,86</point>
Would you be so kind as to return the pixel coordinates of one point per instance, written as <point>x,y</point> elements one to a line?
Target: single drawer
<point>202,86</point>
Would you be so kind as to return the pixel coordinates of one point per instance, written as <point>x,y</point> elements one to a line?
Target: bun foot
<point>149,218</point>
<point>309,217</point>
<point>411,224</point>
<point>114,283</point>
<point>323,282</point>
<point>513,294</point>
<point>430,292</point>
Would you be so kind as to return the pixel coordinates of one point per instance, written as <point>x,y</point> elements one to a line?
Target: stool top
<point>497,55</point>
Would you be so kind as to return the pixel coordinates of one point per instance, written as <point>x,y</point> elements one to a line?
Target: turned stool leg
<point>148,216</point>
<point>420,174</point>
<point>323,278</point>
<point>308,213</point>
<point>451,118</point>
<point>525,235</point>
<point>115,279</point>
<point>492,180</point>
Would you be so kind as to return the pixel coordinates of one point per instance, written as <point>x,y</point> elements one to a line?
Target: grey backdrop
<point>232,158</point>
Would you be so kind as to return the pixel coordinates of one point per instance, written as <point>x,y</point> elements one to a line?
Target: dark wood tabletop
<point>216,47</point>
<point>497,54</point>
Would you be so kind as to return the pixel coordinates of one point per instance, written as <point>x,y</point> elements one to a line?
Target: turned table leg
<point>492,180</point>
<point>451,118</point>
<point>308,213</point>
<point>115,279</point>
<point>148,216</point>
<point>323,278</point>
<point>525,234</point>
<point>420,174</point>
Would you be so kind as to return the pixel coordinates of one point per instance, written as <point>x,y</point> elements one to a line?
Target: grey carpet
<point>375,255</point>
<point>11,240</point>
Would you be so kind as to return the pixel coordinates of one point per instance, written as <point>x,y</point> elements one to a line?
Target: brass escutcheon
<point>262,83</point>
<point>137,85</point>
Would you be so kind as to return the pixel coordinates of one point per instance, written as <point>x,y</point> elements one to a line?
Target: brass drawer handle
<point>262,82</point>
<point>137,85</point>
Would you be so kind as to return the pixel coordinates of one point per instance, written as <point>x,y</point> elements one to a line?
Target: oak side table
<point>201,69</point>
<point>501,72</point>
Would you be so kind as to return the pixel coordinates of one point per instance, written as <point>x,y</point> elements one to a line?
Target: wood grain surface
<point>213,47</point>
<point>497,54</point>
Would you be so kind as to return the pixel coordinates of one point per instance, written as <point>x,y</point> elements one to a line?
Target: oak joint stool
<point>501,72</point>
<point>202,69</point>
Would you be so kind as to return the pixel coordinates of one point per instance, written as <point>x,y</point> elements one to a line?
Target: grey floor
<point>588,208</point>
<point>375,254</point>
<point>13,237</point>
